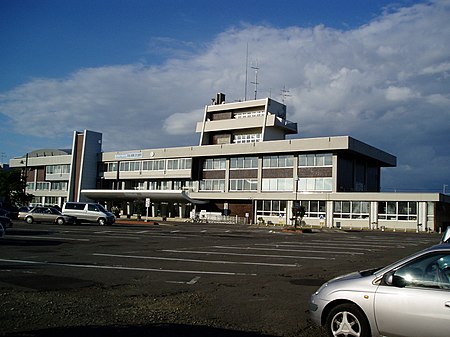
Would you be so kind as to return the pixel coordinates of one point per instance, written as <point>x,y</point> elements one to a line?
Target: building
<point>243,167</point>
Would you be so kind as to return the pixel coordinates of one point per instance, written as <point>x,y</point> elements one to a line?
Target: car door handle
<point>447,304</point>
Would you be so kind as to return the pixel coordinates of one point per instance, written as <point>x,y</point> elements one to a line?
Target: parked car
<point>89,212</point>
<point>46,214</point>
<point>10,212</point>
<point>409,298</point>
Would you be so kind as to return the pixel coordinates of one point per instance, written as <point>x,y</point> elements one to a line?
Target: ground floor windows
<point>314,208</point>
<point>397,210</point>
<point>351,209</point>
<point>271,208</point>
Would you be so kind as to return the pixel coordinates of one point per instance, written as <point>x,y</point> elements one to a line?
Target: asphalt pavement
<point>177,279</point>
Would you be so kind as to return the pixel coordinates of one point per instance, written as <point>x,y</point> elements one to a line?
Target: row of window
<point>273,184</point>
<point>308,160</point>
<point>249,138</point>
<point>247,114</point>
<point>398,210</point>
<point>57,169</point>
<point>150,165</point>
<point>46,186</point>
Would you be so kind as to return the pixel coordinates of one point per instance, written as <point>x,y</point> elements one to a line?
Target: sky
<point>141,73</point>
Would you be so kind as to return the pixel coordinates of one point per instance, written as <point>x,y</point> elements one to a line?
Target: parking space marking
<point>45,237</point>
<point>253,255</point>
<point>355,244</point>
<point>294,244</point>
<point>91,266</point>
<point>290,250</point>
<point>199,261</point>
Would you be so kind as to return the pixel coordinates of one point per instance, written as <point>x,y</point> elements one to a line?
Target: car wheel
<point>347,320</point>
<point>101,222</point>
<point>29,220</point>
<point>60,221</point>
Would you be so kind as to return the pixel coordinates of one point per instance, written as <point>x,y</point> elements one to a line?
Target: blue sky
<point>142,71</point>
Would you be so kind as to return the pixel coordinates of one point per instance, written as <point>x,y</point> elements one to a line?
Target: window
<point>319,159</point>
<point>111,167</point>
<point>278,161</point>
<point>351,209</point>
<point>57,169</point>
<point>40,186</point>
<point>153,165</point>
<point>315,184</point>
<point>250,138</point>
<point>243,184</point>
<point>59,185</point>
<point>179,164</point>
<point>130,166</point>
<point>243,162</point>
<point>50,201</point>
<point>430,271</point>
<point>212,185</point>
<point>277,184</point>
<point>271,208</point>
<point>314,208</point>
<point>247,114</point>
<point>397,210</point>
<point>214,164</point>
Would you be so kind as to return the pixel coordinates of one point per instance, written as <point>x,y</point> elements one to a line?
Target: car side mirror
<point>390,279</point>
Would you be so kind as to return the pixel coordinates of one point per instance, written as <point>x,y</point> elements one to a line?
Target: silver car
<point>409,298</point>
<point>46,214</point>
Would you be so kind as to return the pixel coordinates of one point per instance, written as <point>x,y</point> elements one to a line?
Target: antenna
<point>284,94</point>
<point>246,74</point>
<point>256,78</point>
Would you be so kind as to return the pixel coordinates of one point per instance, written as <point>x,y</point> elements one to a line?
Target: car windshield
<point>101,208</point>
<point>55,211</point>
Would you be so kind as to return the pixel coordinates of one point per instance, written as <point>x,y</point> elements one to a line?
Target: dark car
<point>46,214</point>
<point>5,221</point>
<point>11,212</point>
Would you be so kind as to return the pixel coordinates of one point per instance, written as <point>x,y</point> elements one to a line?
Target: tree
<point>298,212</point>
<point>12,188</point>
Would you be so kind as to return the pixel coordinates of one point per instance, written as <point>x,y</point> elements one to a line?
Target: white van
<point>89,212</point>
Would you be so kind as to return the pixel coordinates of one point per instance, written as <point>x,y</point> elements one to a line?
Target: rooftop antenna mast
<point>246,74</point>
<point>256,68</point>
<point>284,94</point>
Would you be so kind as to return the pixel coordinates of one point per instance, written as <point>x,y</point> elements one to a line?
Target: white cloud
<point>385,83</point>
<point>399,93</point>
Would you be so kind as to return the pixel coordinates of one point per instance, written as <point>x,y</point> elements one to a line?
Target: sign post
<point>147,205</point>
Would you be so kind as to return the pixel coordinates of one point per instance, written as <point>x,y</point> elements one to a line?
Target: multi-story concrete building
<point>243,166</point>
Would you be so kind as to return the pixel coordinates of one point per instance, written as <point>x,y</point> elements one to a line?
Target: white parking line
<point>199,261</point>
<point>300,245</point>
<point>254,255</point>
<point>61,264</point>
<point>290,250</point>
<point>45,237</point>
<point>354,244</point>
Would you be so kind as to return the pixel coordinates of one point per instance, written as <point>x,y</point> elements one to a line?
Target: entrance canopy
<point>154,195</point>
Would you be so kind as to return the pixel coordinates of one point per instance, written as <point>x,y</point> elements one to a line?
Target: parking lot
<point>177,279</point>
